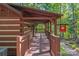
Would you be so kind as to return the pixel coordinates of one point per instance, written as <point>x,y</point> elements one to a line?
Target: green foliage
<point>73,45</point>
<point>63,52</point>
<point>40,28</point>
<point>66,35</point>
<point>70,13</point>
<point>70,17</point>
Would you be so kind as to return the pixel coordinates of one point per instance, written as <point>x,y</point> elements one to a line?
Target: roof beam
<point>36,18</point>
<point>44,13</point>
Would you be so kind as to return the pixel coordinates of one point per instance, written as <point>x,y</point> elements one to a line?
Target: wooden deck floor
<point>40,45</point>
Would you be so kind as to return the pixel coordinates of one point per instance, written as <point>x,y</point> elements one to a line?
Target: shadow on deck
<point>40,45</point>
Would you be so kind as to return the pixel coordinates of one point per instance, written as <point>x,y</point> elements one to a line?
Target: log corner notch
<point>23,37</point>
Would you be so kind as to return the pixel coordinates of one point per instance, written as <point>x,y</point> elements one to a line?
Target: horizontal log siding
<point>10,26</point>
<point>9,32</point>
<point>9,29</point>
<point>8,44</point>
<point>7,38</point>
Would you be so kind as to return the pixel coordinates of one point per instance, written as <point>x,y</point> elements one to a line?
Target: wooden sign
<point>62,28</point>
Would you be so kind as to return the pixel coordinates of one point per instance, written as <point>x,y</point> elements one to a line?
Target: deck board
<point>36,47</point>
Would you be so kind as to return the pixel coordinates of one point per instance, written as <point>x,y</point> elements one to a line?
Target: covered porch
<point>34,17</point>
<point>28,19</point>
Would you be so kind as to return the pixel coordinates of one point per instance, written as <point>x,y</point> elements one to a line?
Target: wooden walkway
<point>40,45</point>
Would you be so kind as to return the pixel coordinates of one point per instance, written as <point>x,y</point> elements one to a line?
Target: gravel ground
<point>70,51</point>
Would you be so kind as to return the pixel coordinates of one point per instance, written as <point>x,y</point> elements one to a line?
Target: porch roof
<point>32,14</point>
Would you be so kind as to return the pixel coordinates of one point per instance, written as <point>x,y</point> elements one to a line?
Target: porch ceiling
<point>31,14</point>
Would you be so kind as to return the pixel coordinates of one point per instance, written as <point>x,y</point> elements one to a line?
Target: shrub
<point>73,45</point>
<point>63,52</point>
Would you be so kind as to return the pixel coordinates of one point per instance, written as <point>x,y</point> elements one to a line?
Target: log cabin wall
<point>11,26</point>
<point>9,29</point>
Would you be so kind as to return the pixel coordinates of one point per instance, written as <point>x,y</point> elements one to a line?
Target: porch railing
<point>23,44</point>
<point>54,44</point>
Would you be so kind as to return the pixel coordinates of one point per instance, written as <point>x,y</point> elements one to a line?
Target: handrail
<point>23,44</point>
<point>54,35</point>
<point>54,43</point>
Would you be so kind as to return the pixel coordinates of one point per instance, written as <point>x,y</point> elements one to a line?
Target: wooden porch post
<point>56,41</point>
<point>33,30</point>
<point>50,30</point>
<point>22,27</point>
<point>55,27</point>
<point>50,26</point>
<point>19,48</point>
<point>19,38</point>
<point>46,27</point>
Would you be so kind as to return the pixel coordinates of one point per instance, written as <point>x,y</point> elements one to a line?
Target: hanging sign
<point>62,27</point>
